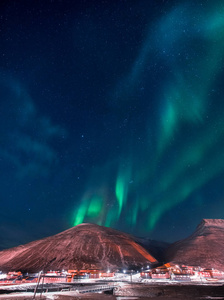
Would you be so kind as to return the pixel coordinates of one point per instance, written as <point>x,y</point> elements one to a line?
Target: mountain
<point>205,247</point>
<point>83,246</point>
<point>156,248</point>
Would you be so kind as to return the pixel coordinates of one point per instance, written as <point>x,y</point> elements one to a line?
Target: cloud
<point>27,136</point>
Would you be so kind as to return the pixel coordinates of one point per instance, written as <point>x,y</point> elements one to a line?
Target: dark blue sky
<point>111,112</point>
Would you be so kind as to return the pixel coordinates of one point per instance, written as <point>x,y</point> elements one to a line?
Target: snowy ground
<point>122,280</point>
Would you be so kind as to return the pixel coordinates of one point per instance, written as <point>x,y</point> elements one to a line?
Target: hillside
<point>83,246</point>
<point>203,248</point>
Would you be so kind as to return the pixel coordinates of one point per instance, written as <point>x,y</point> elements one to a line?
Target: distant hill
<point>205,247</point>
<point>83,246</point>
<point>156,248</point>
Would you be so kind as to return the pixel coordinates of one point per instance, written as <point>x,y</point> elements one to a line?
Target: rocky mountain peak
<point>208,225</point>
<point>213,222</point>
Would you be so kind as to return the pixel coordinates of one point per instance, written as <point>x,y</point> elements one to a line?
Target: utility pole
<point>42,287</point>
<point>38,281</point>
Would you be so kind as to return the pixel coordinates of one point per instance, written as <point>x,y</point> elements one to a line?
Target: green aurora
<point>185,141</point>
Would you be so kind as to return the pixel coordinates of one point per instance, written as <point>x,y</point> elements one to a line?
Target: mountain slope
<point>156,248</point>
<point>205,247</point>
<point>80,247</point>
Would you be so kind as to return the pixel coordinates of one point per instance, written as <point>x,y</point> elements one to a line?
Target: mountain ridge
<point>204,247</point>
<point>83,246</point>
<point>93,246</point>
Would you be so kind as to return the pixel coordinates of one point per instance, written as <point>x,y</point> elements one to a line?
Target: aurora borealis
<point>111,113</point>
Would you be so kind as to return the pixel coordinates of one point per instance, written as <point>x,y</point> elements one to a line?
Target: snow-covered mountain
<point>205,247</point>
<point>83,246</point>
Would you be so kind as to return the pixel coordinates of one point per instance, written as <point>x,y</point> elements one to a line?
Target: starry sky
<point>111,112</point>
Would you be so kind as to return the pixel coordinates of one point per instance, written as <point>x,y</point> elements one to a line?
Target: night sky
<point>111,112</point>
